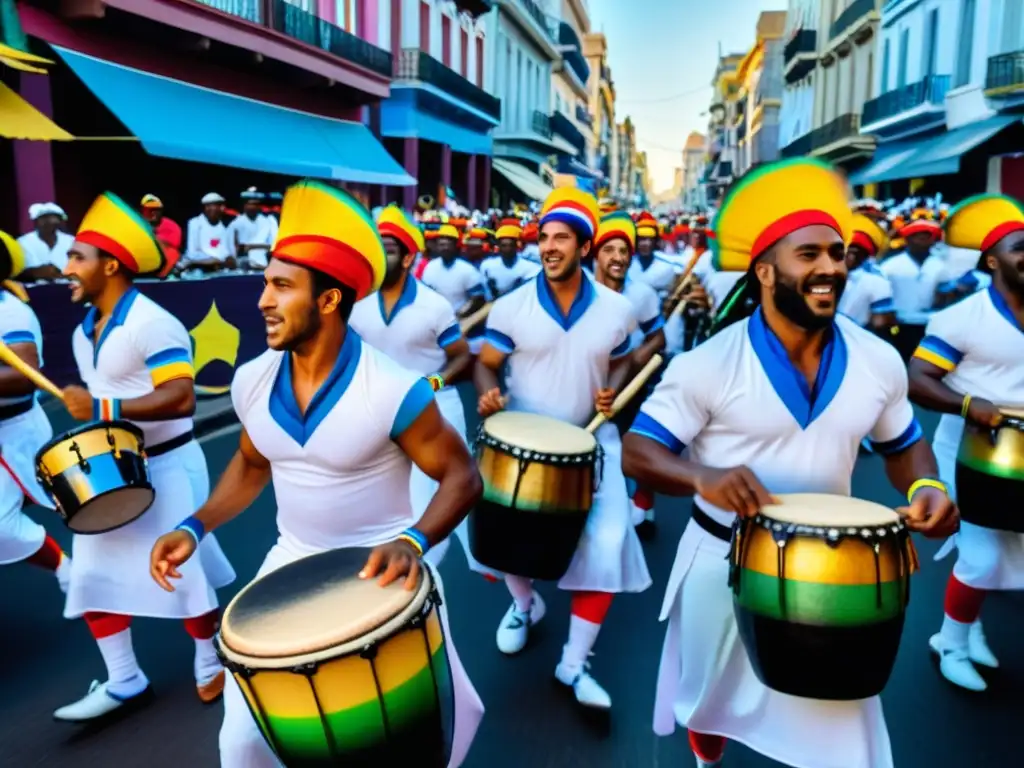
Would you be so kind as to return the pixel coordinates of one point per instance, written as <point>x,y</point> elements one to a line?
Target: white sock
<point>582,636</point>
<point>124,675</point>
<point>206,665</point>
<point>521,589</point>
<point>954,632</point>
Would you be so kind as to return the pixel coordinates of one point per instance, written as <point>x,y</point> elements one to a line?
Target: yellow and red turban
<point>12,262</point>
<point>680,231</point>
<point>921,225</point>
<point>574,208</point>
<point>326,229</point>
<point>530,233</point>
<point>616,225</point>
<point>509,230</point>
<point>982,221</point>
<point>393,222</point>
<point>774,201</point>
<point>646,225</point>
<point>448,230</point>
<point>478,233</point>
<point>869,235</point>
<point>114,227</point>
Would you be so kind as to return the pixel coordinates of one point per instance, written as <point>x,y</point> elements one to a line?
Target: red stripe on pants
<point>963,603</point>
<point>591,606</point>
<point>203,627</point>
<point>106,624</point>
<point>47,556</point>
<point>707,747</point>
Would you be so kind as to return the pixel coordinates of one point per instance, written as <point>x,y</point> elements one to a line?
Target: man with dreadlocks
<point>783,400</point>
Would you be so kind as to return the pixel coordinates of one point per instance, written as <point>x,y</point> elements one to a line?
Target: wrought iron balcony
<point>854,12</point>
<point>534,10</point>
<point>1005,73</point>
<point>584,116</point>
<point>843,127</point>
<point>567,37</point>
<point>414,64</point>
<point>541,124</point>
<point>563,126</point>
<point>930,90</point>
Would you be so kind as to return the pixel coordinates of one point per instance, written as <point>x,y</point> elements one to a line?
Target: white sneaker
<point>978,650</point>
<point>63,574</point>
<point>98,702</point>
<point>588,691</point>
<point>706,764</point>
<point>514,630</point>
<point>955,665</point>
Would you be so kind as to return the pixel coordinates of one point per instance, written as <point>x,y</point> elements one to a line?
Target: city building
<point>439,118</point>
<point>719,170</point>
<point>694,152</point>
<point>601,89</point>
<point>624,158</point>
<point>570,94</point>
<point>799,73</point>
<point>760,96</point>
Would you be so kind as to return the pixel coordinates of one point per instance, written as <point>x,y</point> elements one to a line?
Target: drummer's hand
<point>984,413</point>
<point>603,401</point>
<point>491,402</point>
<point>171,550</point>
<point>395,560</point>
<point>698,297</point>
<point>78,401</point>
<point>737,490</point>
<point>931,513</point>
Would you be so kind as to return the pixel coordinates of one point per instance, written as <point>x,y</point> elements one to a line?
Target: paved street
<point>531,723</point>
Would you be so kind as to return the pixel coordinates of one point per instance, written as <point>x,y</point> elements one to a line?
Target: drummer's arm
<point>174,399</point>
<point>934,358</point>
<point>488,364</point>
<point>12,383</point>
<point>244,479</point>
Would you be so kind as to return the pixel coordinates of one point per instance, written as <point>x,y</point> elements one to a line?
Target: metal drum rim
<point>91,426</point>
<point>528,454</point>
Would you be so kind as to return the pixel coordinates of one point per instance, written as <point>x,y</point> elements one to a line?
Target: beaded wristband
<point>925,482</point>
<point>106,409</point>
<point>965,406</point>
<point>417,538</point>
<point>194,526</point>
<point>436,381</point>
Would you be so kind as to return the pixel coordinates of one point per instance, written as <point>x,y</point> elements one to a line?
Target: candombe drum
<point>339,671</point>
<point>539,479</point>
<point>97,476</point>
<point>990,474</point>
<point>820,588</point>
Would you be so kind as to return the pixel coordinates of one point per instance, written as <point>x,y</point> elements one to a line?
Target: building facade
<point>694,156</point>
<point>760,96</point>
<point>601,100</point>
<point>799,74</point>
<point>720,169</point>
<point>570,92</point>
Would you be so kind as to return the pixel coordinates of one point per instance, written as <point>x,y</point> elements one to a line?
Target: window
<point>1012,37</point>
<point>884,86</point>
<point>929,50</point>
<point>965,49</point>
<point>446,40</point>
<point>464,53</point>
<point>901,69</point>
<point>480,61</point>
<point>425,27</point>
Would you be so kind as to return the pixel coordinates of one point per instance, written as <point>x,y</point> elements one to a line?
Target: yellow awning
<point>20,120</point>
<point>21,60</point>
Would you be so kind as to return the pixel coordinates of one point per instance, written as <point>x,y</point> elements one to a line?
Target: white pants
<point>20,438</point>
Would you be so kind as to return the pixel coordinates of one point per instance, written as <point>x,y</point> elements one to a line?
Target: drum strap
<point>169,445</point>
<point>709,524</point>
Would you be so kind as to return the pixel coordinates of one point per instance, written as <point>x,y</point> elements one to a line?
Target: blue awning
<point>189,122</point>
<point>400,119</point>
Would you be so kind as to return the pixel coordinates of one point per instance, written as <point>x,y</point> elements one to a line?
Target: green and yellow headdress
<point>616,225</point>
<point>869,235</point>
<point>980,222</point>
<point>393,222</point>
<point>113,226</point>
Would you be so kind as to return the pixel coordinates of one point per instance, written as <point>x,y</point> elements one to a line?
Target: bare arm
<point>472,305</point>
<point>651,346</point>
<point>911,464</point>
<point>652,464</point>
<point>619,372</point>
<point>12,383</point>
<point>928,390</point>
<point>458,362</point>
<point>485,373</point>
<point>244,479</point>
<point>880,321</point>
<point>174,399</point>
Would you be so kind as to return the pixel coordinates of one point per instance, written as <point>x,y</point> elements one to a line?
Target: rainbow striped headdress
<point>616,225</point>
<point>573,207</point>
<point>647,225</point>
<point>982,221</point>
<point>328,230</point>
<point>113,226</point>
<point>774,201</point>
<point>393,222</point>
<point>869,235</point>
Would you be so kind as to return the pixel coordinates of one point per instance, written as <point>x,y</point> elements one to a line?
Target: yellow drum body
<point>539,477</point>
<point>338,671</point>
<point>97,476</point>
<point>990,474</point>
<point>821,584</point>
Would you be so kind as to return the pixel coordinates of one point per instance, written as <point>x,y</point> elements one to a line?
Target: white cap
<point>211,197</point>
<point>45,209</point>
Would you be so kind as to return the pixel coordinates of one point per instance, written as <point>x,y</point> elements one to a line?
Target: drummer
<point>970,361</point>
<point>338,426</point>
<point>754,428</point>
<point>567,341</point>
<point>24,429</point>
<point>867,299</point>
<point>507,269</point>
<point>455,278</point>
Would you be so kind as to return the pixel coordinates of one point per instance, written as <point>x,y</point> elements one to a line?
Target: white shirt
<point>18,325</point>
<point>141,346</point>
<point>261,230</point>
<point>659,273</point>
<point>457,282</point>
<point>421,325</point>
<point>914,284</point>
<point>207,242</point>
<point>501,278</point>
<point>737,400</point>
<point>557,363</point>
<point>646,310</point>
<point>868,292</point>
<point>531,252</point>
<point>340,479</point>
<point>39,254</point>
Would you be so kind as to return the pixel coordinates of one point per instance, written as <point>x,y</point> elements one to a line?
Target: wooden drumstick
<point>684,278</point>
<point>30,373</point>
<point>481,314</point>
<point>628,392</point>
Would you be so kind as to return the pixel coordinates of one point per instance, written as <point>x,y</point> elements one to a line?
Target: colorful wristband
<point>106,409</point>
<point>965,406</point>
<point>436,381</point>
<point>925,482</point>
<point>417,538</point>
<point>193,525</point>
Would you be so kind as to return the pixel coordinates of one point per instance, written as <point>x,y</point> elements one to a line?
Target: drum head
<point>316,608</point>
<point>533,432</point>
<point>823,510</point>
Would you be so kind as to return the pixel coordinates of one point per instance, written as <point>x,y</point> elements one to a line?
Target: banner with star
<point>220,313</point>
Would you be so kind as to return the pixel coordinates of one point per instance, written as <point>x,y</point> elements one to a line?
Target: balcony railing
<point>563,126</point>
<point>853,13</point>
<point>474,7</point>
<point>250,10</point>
<point>804,41</point>
<point>843,127</point>
<point>567,37</point>
<point>930,90</point>
<point>799,147</point>
<point>583,116</point>
<point>1005,72</point>
<point>541,124</point>
<point>538,15</point>
<point>414,64</point>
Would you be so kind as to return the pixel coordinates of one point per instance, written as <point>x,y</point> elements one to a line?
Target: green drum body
<point>990,474</point>
<point>820,586</point>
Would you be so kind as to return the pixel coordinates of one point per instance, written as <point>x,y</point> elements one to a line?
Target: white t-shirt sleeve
<point>500,332</point>
<point>679,408</point>
<point>648,314</point>
<point>475,285</point>
<point>18,323</point>
<point>881,295</point>
<point>625,324</point>
<point>167,349</point>
<point>446,325</point>
<point>897,427</point>
<point>400,395</point>
<point>945,337</point>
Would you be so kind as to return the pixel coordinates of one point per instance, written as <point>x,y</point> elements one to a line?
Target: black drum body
<point>990,476</point>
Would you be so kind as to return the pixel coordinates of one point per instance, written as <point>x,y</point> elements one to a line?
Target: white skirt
<point>21,438</point>
<point>986,558</point>
<point>110,571</point>
<point>706,682</point>
<point>242,745</point>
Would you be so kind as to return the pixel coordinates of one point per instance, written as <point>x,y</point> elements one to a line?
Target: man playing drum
<point>24,429</point>
<point>775,403</point>
<point>338,426</point>
<point>136,360</point>
<point>971,361</point>
<point>567,342</point>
